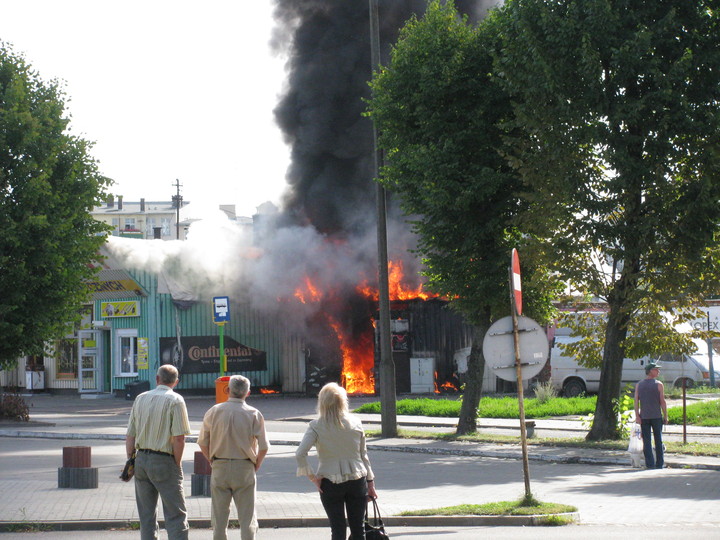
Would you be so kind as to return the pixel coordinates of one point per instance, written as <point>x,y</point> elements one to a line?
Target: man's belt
<point>148,451</point>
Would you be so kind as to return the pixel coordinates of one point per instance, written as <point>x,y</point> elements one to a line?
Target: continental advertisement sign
<point>201,354</point>
<point>114,285</point>
<point>130,308</point>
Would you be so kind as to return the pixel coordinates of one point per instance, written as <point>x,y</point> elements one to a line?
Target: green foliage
<point>439,114</point>
<point>625,410</point>
<point>439,117</point>
<point>705,413</point>
<point>48,185</point>
<point>13,406</point>
<point>616,115</point>
<point>650,333</point>
<point>589,329</point>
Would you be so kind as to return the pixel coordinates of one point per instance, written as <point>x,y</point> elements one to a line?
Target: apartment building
<point>143,219</point>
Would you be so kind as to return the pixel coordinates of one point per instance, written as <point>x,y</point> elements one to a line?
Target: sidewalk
<point>283,501</point>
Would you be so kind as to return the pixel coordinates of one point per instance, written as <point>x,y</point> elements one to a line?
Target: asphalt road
<point>571,532</point>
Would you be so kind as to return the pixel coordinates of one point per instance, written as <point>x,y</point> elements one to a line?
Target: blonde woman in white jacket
<point>343,477</point>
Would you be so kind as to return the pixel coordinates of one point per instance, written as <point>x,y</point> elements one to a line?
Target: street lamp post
<point>388,407</point>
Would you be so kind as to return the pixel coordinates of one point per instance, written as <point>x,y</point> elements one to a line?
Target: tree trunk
<point>605,423</point>
<point>467,422</point>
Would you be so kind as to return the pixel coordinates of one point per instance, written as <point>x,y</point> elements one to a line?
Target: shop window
<point>66,358</point>
<point>126,352</point>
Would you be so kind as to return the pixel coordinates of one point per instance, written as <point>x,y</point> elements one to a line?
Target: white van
<point>572,379</point>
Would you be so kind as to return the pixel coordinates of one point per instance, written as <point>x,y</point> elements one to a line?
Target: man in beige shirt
<point>233,439</point>
<point>157,428</point>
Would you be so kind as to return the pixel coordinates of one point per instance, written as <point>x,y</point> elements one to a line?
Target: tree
<point>438,115</point>
<point>48,185</point>
<point>617,103</point>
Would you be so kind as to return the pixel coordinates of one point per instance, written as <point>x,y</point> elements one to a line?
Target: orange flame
<point>268,391</point>
<point>309,294</point>
<point>447,386</point>
<point>358,362</point>
<point>358,353</point>
<point>397,289</point>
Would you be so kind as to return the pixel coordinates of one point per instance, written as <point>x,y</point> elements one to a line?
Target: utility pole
<point>177,203</point>
<point>388,405</point>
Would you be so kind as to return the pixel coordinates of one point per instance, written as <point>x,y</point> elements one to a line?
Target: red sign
<point>515,281</point>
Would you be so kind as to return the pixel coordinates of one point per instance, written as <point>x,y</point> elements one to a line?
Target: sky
<point>167,90</point>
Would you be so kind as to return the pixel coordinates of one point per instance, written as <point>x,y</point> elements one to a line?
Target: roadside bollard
<point>200,479</point>
<point>76,471</point>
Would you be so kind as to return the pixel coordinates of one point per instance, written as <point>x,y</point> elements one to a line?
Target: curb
<point>300,522</point>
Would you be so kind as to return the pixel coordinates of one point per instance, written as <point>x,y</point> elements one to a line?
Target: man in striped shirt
<point>157,428</point>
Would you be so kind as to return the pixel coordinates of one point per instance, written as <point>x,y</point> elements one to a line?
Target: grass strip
<point>672,447</point>
<point>502,508</point>
<point>704,413</point>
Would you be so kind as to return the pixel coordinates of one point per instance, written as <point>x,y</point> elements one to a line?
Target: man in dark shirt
<point>651,414</point>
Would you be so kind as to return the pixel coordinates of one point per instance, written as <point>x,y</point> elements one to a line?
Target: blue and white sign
<point>221,309</point>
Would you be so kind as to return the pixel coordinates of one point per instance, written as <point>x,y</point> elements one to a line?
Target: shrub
<point>14,407</point>
<point>544,392</point>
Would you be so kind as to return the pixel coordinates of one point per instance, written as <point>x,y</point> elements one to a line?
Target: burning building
<point>302,295</point>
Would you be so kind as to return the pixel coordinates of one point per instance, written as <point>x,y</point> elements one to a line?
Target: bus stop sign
<point>221,309</point>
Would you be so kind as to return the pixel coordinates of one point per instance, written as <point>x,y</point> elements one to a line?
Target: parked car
<point>572,379</point>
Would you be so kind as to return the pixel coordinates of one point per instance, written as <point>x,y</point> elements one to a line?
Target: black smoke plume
<point>330,180</point>
<point>328,46</point>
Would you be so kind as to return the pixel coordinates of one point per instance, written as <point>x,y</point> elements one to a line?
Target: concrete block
<point>78,478</point>
<point>200,485</point>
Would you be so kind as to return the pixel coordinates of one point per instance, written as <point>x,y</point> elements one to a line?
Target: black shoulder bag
<point>375,528</point>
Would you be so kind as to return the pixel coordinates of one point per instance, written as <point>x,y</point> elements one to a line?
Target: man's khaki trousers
<point>233,480</point>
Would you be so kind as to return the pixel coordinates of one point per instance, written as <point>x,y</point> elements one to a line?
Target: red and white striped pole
<point>516,286</point>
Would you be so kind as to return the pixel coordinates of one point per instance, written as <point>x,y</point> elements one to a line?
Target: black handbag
<point>375,529</point>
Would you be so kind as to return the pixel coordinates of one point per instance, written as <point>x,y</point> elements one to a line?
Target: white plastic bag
<point>635,446</point>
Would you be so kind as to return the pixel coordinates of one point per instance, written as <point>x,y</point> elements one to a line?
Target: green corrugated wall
<point>157,320</point>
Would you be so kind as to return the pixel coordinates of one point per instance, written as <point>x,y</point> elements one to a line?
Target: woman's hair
<point>332,404</point>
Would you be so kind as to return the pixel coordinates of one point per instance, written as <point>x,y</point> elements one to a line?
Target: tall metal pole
<point>710,355</point>
<point>223,359</point>
<point>388,406</point>
<point>177,200</point>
